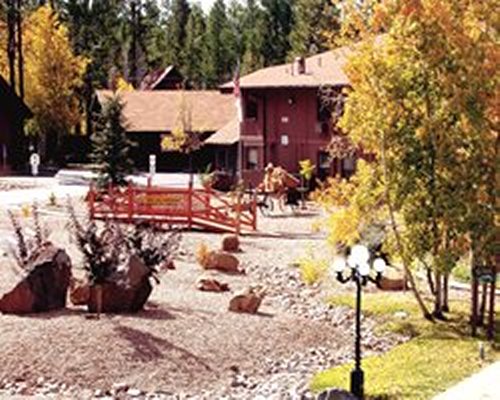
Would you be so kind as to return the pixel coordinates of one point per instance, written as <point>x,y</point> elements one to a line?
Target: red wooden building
<point>287,116</point>
<point>13,112</point>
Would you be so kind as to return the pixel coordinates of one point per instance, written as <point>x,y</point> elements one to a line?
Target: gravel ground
<point>185,344</point>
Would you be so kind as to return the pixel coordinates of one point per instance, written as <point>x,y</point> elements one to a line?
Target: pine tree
<point>253,37</point>
<point>111,147</point>
<point>194,47</point>
<point>176,31</point>
<point>218,65</point>
<point>314,21</point>
<point>278,23</point>
<point>155,44</point>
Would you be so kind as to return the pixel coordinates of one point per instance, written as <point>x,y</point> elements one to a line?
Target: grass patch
<point>439,355</point>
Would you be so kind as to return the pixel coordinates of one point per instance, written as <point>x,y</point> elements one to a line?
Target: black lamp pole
<point>357,374</point>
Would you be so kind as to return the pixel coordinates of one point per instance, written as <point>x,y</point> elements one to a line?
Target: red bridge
<point>185,207</point>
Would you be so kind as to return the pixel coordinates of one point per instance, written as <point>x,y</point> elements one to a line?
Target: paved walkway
<point>484,385</point>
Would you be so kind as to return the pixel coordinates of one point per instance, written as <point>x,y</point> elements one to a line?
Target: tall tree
<point>278,23</point>
<point>53,76</point>
<point>194,48</point>
<point>176,31</point>
<point>218,63</point>
<point>111,147</point>
<point>424,101</point>
<point>314,20</point>
<point>253,31</point>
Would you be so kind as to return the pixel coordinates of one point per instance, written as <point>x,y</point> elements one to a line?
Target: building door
<point>3,157</point>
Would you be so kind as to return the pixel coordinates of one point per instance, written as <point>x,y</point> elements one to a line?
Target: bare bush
<point>153,246</point>
<point>27,245</point>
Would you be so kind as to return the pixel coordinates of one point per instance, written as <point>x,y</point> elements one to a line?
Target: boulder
<point>126,291</point>
<point>211,285</point>
<point>230,243</point>
<point>80,293</point>
<point>222,261</point>
<point>120,298</point>
<point>247,301</point>
<point>392,284</point>
<point>44,287</point>
<point>336,394</point>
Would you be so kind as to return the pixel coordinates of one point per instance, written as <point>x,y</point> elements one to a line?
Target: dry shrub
<point>152,245</point>
<point>312,270</point>
<point>203,255</point>
<point>27,245</point>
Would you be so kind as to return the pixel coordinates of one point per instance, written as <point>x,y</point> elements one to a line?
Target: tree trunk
<point>20,62</point>
<point>474,295</point>
<point>430,280</point>
<point>11,42</point>
<point>446,306</point>
<point>438,297</point>
<point>423,308</point>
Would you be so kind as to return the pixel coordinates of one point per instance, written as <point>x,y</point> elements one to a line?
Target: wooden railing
<point>189,207</point>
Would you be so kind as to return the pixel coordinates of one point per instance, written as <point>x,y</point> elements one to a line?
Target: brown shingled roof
<point>160,111</point>
<point>228,134</point>
<point>321,69</point>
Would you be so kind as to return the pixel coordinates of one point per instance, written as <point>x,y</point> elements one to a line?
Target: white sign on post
<point>34,162</point>
<point>152,165</point>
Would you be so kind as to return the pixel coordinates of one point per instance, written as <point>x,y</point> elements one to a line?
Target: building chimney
<point>299,66</point>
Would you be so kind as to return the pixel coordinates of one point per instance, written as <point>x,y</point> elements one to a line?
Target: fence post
<point>190,204</point>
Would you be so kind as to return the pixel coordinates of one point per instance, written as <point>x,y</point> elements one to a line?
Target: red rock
<point>230,243</point>
<point>247,301</point>
<point>211,285</point>
<point>44,287</point>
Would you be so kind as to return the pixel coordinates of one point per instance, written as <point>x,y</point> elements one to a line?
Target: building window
<point>251,109</point>
<point>323,109</point>
<point>348,167</point>
<point>252,158</point>
<point>324,160</point>
<point>285,140</point>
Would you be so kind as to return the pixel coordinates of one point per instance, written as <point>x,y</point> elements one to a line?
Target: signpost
<point>34,162</point>
<point>152,167</point>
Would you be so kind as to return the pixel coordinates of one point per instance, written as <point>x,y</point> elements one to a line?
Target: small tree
<point>182,138</point>
<point>111,147</point>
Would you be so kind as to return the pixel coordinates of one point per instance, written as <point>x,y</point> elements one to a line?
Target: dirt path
<point>186,341</point>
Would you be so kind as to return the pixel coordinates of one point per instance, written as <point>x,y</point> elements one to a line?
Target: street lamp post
<point>358,262</point>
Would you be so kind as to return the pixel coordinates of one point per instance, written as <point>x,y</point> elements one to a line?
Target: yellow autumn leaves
<point>53,73</point>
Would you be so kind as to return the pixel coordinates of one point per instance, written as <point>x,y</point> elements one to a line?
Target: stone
<point>247,301</point>
<point>120,298</point>
<point>336,394</point>
<point>222,261</point>
<point>392,284</point>
<point>45,285</point>
<point>126,291</point>
<point>230,243</point>
<point>79,293</point>
<point>134,392</point>
<point>211,285</point>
